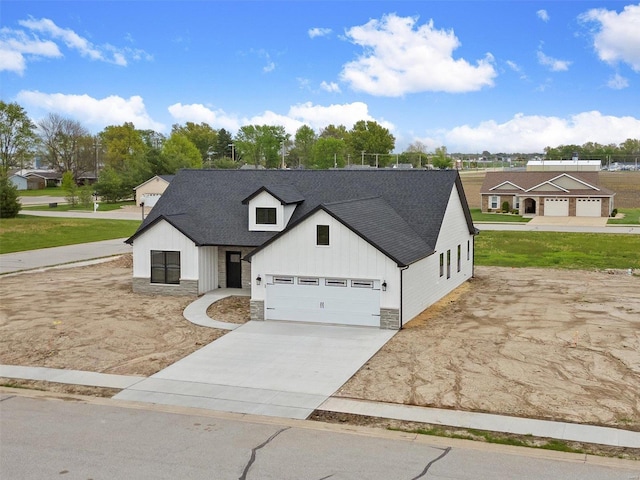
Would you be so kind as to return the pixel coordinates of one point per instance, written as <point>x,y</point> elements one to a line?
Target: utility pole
<point>282,143</point>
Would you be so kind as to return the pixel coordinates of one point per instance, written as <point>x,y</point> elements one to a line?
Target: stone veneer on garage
<point>390,318</point>
<point>257,309</point>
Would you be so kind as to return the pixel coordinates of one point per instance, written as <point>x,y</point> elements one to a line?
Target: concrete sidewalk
<point>196,311</point>
<point>453,418</point>
<point>70,254</point>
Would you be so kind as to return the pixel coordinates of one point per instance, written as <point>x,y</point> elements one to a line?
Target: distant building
<point>573,165</point>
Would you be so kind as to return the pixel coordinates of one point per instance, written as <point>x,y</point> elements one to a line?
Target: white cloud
<point>199,113</point>
<point>618,82</point>
<point>41,40</point>
<point>543,15</point>
<point>532,133</point>
<point>15,44</point>
<point>97,113</point>
<point>402,57</point>
<point>331,87</point>
<point>69,37</point>
<point>318,32</point>
<point>315,116</point>
<point>554,64</point>
<point>617,37</point>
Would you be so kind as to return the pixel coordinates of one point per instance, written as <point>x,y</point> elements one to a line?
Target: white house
<point>371,248</point>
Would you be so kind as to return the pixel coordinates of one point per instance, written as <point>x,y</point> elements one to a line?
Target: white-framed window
<point>494,201</point>
<point>266,216</point>
<point>516,202</point>
<point>335,282</point>
<point>308,281</point>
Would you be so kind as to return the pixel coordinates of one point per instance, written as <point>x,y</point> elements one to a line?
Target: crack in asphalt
<point>255,449</point>
<point>7,398</point>
<point>426,469</point>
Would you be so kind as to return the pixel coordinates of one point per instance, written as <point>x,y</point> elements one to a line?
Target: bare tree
<point>66,145</point>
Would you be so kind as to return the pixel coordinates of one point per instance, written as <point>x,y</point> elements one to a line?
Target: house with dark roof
<point>371,248</point>
<point>149,192</point>
<point>557,194</point>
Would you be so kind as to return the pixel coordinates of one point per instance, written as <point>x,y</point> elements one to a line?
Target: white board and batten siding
<point>163,236</point>
<point>347,257</point>
<point>421,283</point>
<point>266,200</point>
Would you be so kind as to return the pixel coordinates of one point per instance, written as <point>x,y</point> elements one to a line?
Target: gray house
<point>371,248</point>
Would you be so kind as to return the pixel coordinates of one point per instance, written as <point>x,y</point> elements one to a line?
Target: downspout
<point>401,297</point>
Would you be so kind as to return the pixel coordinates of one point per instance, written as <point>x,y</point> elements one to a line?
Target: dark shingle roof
<point>286,193</point>
<point>400,212</point>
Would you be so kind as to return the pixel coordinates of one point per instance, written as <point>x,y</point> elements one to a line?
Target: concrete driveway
<point>279,369</point>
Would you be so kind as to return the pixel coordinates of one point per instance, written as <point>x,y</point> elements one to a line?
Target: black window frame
<point>266,216</point>
<point>442,264</point>
<point>165,267</point>
<point>322,235</point>
<point>459,257</point>
<point>448,264</point>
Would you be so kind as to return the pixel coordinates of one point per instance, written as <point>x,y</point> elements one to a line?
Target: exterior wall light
<point>258,279</point>
<point>384,285</point>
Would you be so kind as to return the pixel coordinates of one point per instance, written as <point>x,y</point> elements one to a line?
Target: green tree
<point>329,153</point>
<point>223,147</point>
<point>9,201</point>
<point>122,145</point>
<point>303,147</point>
<point>372,138</point>
<point>70,188</point>
<point>332,131</point>
<point>261,144</point>
<point>113,185</point>
<point>440,159</point>
<point>202,136</point>
<point>179,152</point>
<point>17,136</point>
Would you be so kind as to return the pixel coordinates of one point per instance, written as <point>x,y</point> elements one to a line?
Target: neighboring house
<point>370,248</point>
<point>150,191</point>
<point>19,181</point>
<point>39,179</point>
<point>552,194</point>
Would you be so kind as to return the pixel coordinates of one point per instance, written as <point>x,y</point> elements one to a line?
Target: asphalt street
<point>47,437</point>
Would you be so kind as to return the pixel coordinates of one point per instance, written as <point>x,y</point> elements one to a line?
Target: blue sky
<point>502,76</point>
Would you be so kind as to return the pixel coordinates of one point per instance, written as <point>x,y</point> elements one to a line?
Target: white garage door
<point>588,207</point>
<point>150,199</point>
<point>556,207</point>
<point>323,300</point>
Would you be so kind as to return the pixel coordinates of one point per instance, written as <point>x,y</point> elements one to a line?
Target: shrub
<point>70,187</point>
<point>9,201</point>
<point>614,212</point>
<point>505,207</point>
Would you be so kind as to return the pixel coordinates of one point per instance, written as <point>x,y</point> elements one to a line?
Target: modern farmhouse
<point>371,248</point>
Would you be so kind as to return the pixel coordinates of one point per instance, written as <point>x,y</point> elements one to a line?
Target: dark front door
<point>234,270</point>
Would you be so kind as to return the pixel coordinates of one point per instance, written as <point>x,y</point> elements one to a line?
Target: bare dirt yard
<point>554,344</point>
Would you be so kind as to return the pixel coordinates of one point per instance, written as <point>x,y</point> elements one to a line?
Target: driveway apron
<point>280,369</point>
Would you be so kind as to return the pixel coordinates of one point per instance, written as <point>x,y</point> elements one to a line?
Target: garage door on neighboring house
<point>323,300</point>
<point>556,207</point>
<point>589,207</point>
<point>150,199</point>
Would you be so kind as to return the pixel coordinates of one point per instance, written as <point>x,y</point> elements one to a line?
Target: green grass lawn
<point>631,217</point>
<point>27,232</point>
<point>103,207</point>
<point>558,250</point>
<point>49,191</point>
<point>478,216</point>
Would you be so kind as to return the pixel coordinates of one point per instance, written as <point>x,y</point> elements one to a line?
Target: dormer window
<point>266,216</point>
